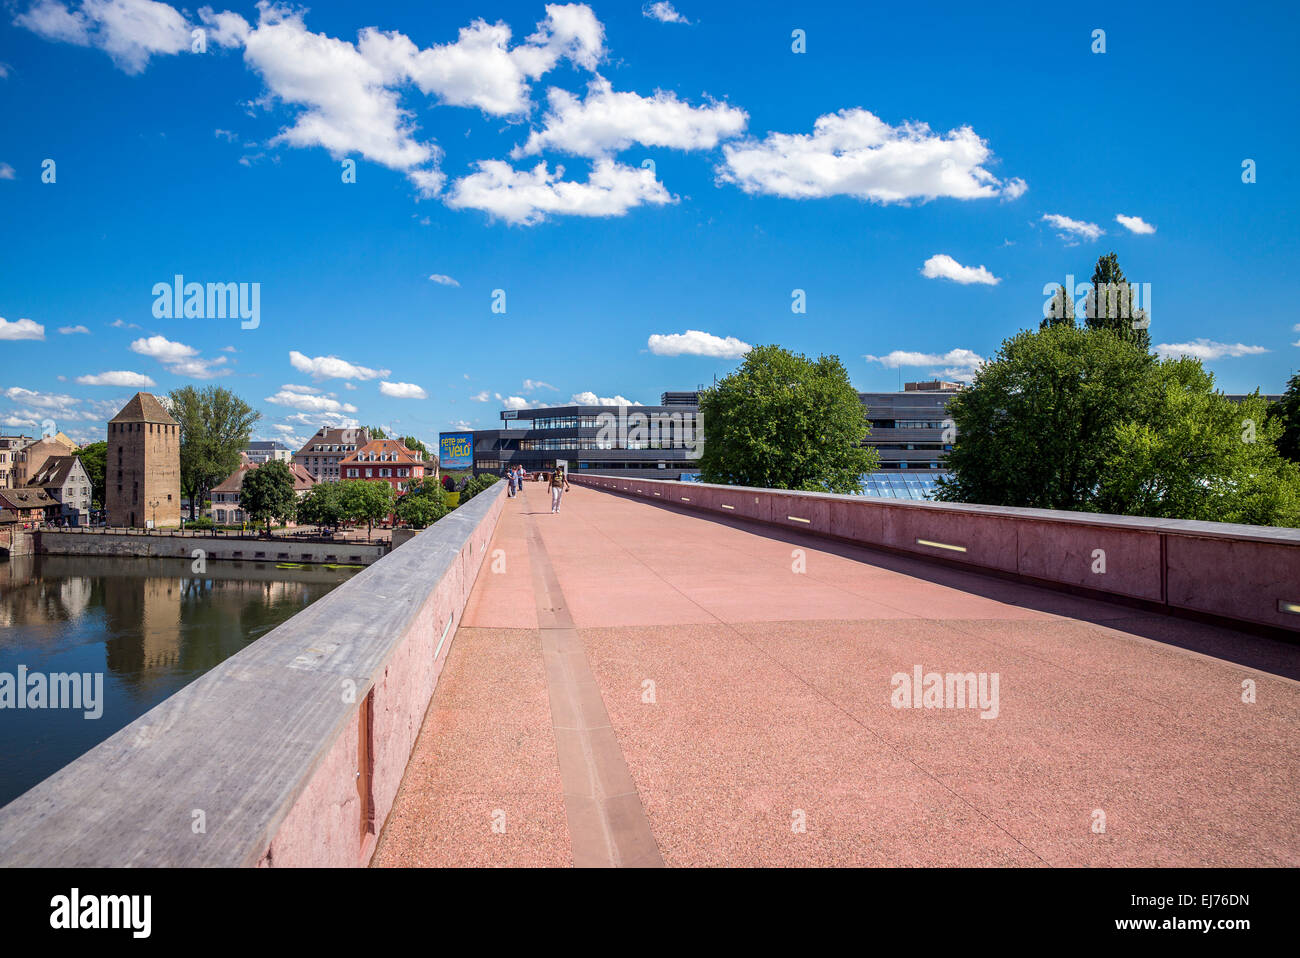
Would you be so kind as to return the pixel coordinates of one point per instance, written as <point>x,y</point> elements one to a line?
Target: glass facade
<point>910,484</point>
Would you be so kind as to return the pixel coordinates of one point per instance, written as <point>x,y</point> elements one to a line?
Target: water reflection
<point>150,625</point>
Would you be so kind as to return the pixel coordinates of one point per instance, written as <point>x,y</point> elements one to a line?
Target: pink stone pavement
<point>750,702</point>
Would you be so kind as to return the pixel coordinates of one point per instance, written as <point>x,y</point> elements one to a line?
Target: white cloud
<point>347,107</point>
<point>163,349</point>
<point>607,122</point>
<point>1207,349</point>
<point>229,349</point>
<point>197,368</point>
<point>591,399</point>
<point>526,198</point>
<point>226,29</point>
<point>331,367</point>
<point>118,324</point>
<point>309,403</point>
<point>17,422</point>
<point>307,390</point>
<point>1014,189</point>
<point>1134,224</point>
<point>664,12</point>
<point>855,153</point>
<point>481,69</point>
<point>331,420</point>
<point>20,329</point>
<point>402,390</point>
<point>515,402</point>
<point>69,330</point>
<point>7,172</point>
<point>481,397</point>
<point>443,280</point>
<point>130,31</point>
<point>46,401</point>
<point>180,360</point>
<point>117,377</point>
<point>1070,227</point>
<point>532,384</point>
<point>959,364</point>
<point>694,342</point>
<point>942,266</point>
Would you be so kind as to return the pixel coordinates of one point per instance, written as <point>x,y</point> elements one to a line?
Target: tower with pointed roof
<point>142,474</point>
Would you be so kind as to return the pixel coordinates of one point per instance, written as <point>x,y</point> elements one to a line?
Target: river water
<point>147,626</point>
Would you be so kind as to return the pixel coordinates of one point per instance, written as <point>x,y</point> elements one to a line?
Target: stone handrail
<point>289,752</point>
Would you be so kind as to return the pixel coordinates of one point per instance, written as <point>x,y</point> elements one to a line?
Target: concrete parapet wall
<point>215,548</point>
<point>1246,574</point>
<point>260,761</point>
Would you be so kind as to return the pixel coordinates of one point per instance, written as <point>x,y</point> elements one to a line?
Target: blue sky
<point>920,174</point>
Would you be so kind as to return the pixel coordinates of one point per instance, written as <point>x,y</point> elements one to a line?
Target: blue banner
<point>455,450</point>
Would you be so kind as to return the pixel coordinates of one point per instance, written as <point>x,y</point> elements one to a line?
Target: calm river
<point>148,626</point>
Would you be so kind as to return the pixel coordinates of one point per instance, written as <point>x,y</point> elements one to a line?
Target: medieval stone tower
<point>143,472</point>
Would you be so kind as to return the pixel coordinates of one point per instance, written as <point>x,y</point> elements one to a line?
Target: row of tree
<point>267,495</point>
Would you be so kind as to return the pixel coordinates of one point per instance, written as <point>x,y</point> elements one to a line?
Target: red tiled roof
<point>302,479</point>
<point>388,448</point>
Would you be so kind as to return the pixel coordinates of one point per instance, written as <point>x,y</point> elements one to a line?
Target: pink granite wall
<point>323,826</point>
<point>1235,572</point>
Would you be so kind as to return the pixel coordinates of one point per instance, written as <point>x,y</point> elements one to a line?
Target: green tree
<point>421,509</point>
<point>1060,311</point>
<point>376,432</point>
<point>94,459</point>
<point>267,493</point>
<point>410,442</point>
<point>215,425</point>
<point>1286,413</point>
<point>321,505</point>
<point>367,501</point>
<point>1036,426</point>
<point>1081,419</point>
<point>1198,455</point>
<point>1111,304</point>
<point>784,421</point>
<point>476,485</point>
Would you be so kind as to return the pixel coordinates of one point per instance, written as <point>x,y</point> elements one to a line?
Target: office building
<point>913,435</point>
<point>648,442</point>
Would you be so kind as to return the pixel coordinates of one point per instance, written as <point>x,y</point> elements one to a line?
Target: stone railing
<point>1234,573</point>
<point>291,751</point>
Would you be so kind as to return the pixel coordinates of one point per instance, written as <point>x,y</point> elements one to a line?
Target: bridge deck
<point>771,738</point>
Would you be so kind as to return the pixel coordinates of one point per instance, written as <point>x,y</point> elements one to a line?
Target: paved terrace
<point>768,735</point>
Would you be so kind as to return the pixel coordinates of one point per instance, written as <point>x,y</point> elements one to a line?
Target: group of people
<point>557,481</point>
<point>516,478</point>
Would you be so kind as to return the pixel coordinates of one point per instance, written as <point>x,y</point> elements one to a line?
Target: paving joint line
<point>607,827</point>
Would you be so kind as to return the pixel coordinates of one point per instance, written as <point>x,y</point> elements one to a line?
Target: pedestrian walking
<point>513,480</point>
<point>559,486</point>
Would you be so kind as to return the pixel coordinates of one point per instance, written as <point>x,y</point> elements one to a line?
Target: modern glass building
<point>645,442</point>
<point>913,435</point>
